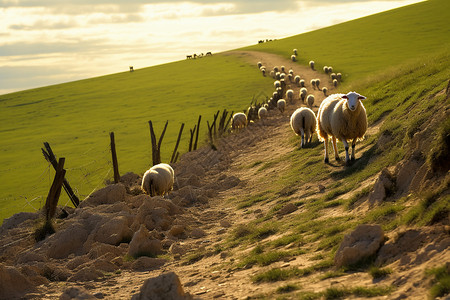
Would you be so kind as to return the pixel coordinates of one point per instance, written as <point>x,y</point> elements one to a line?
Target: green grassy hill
<point>75,118</point>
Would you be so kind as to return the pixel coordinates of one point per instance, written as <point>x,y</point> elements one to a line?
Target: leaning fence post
<point>55,190</point>
<point>176,145</point>
<point>198,129</point>
<point>192,131</point>
<point>114,158</point>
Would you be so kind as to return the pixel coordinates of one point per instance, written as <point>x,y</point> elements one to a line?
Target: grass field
<point>75,118</point>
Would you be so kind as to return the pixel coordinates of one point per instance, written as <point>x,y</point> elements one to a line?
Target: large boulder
<point>362,243</point>
<point>143,244</point>
<point>166,286</point>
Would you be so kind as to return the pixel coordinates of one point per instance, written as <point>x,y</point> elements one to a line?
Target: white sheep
<point>294,57</point>
<point>295,51</point>
<point>290,77</point>
<point>330,69</point>
<point>302,94</point>
<point>325,91</point>
<point>303,123</point>
<point>343,117</point>
<point>276,84</point>
<point>283,69</point>
<point>259,64</point>
<point>290,95</point>
<point>297,79</point>
<point>310,100</point>
<point>282,75</point>
<point>158,180</point>
<point>281,105</point>
<point>291,71</point>
<point>272,74</point>
<point>263,113</point>
<point>239,120</point>
<point>275,69</point>
<point>333,76</point>
<point>313,83</point>
<point>302,83</point>
<point>335,82</point>
<point>325,69</point>
<point>311,64</point>
<point>317,83</point>
<point>339,76</point>
<point>263,70</point>
<point>278,75</point>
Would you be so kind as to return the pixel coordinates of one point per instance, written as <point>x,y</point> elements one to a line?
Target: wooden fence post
<point>55,190</point>
<point>156,148</point>
<point>172,159</point>
<point>228,122</point>
<point>51,158</point>
<point>198,129</point>
<point>192,137</point>
<point>114,158</point>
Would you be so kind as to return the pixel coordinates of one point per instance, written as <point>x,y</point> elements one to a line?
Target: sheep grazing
<point>303,92</point>
<point>339,76</point>
<point>302,83</point>
<point>310,100</point>
<point>325,69</point>
<point>158,180</point>
<point>290,95</point>
<point>297,79</point>
<point>313,83</point>
<point>325,91</point>
<point>311,64</point>
<point>281,105</point>
<point>259,64</point>
<point>238,121</point>
<point>303,123</point>
<point>295,51</point>
<point>317,83</point>
<point>294,57</point>
<point>335,82</point>
<point>343,117</point>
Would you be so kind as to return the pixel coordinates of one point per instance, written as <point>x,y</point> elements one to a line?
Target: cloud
<point>24,48</point>
<point>45,25</point>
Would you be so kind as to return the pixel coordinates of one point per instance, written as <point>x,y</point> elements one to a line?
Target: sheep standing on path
<point>238,121</point>
<point>290,95</point>
<point>158,180</point>
<point>310,100</point>
<point>303,92</point>
<point>281,105</point>
<point>313,83</point>
<point>343,117</point>
<point>303,123</point>
<point>311,64</point>
<point>263,114</point>
<point>297,79</point>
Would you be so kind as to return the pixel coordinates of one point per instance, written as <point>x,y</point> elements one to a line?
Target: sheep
<point>302,83</point>
<point>303,123</point>
<point>276,84</point>
<point>263,70</point>
<point>275,69</point>
<point>158,180</point>
<point>325,69</point>
<point>297,79</point>
<point>317,83</point>
<point>303,92</point>
<point>335,82</point>
<point>239,120</point>
<point>325,91</point>
<point>343,117</point>
<point>310,100</point>
<point>290,77</point>
<point>281,105</point>
<point>277,75</point>
<point>311,64</point>
<point>259,64</point>
<point>290,95</point>
<point>282,75</point>
<point>272,74</point>
<point>291,71</point>
<point>313,83</point>
<point>263,113</point>
<point>295,51</point>
<point>339,76</point>
<point>333,76</point>
<point>294,57</point>
<point>330,69</point>
<point>283,69</point>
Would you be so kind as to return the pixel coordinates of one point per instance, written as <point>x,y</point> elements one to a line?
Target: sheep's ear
<point>344,96</point>
<point>360,97</point>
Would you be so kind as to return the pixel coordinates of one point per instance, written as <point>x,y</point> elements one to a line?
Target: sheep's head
<point>353,99</point>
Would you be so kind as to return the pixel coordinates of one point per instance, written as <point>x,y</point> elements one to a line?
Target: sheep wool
<point>281,105</point>
<point>311,64</point>
<point>158,180</point>
<point>310,100</point>
<point>290,95</point>
<point>343,117</point>
<point>239,120</point>
<point>263,113</point>
<point>297,79</point>
<point>303,92</point>
<point>303,123</point>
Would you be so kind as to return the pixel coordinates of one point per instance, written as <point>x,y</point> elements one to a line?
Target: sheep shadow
<point>356,165</point>
<point>311,145</point>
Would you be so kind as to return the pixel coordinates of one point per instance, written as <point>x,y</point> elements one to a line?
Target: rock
<point>30,256</point>
<point>144,263</point>
<point>155,213</point>
<point>86,274</point>
<point>177,231</point>
<point>177,249</point>
<point>287,209</point>
<point>13,285</point>
<point>107,195</point>
<point>113,231</point>
<point>382,188</point>
<point>166,286</point>
<point>362,243</point>
<point>142,244</point>
<point>197,233</point>
<point>67,241</point>
<point>76,293</point>
<point>130,179</point>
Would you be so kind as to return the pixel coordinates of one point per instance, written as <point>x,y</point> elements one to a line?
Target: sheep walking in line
<point>295,51</point>
<point>335,82</point>
<point>311,64</point>
<point>325,69</point>
<point>263,114</point>
<point>158,180</point>
<point>343,117</point>
<point>317,83</point>
<point>325,91</point>
<point>238,121</point>
<point>294,57</point>
<point>259,64</point>
<point>290,95</point>
<point>276,84</point>
<point>281,105</point>
<point>310,100</point>
<point>263,70</point>
<point>313,83</point>
<point>303,92</point>
<point>297,79</point>
<point>290,77</point>
<point>283,69</point>
<point>339,76</point>
<point>303,123</point>
<point>302,82</point>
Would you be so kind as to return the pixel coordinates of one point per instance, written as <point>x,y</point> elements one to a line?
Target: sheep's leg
<point>336,154</point>
<point>347,158</point>
<point>302,134</point>
<point>325,143</point>
<point>353,149</point>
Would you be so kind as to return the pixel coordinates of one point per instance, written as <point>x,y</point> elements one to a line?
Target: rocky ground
<point>118,238</point>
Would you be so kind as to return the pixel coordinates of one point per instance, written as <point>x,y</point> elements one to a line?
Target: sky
<point>45,42</point>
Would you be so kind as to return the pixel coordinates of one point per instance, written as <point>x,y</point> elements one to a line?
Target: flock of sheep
<point>340,116</point>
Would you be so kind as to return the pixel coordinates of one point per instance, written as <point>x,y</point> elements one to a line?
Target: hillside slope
<point>259,218</point>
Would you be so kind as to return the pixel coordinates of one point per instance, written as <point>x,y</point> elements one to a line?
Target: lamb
<point>303,123</point>
<point>281,105</point>
<point>310,100</point>
<point>325,91</point>
<point>303,92</point>
<point>290,95</point>
<point>294,57</point>
<point>343,117</point>
<point>313,83</point>
<point>158,180</point>
<point>239,120</point>
<point>311,64</point>
<point>297,79</point>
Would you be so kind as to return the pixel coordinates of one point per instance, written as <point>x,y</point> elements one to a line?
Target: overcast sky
<point>45,42</point>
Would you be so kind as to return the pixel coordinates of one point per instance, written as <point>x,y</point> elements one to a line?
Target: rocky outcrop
<point>166,286</point>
